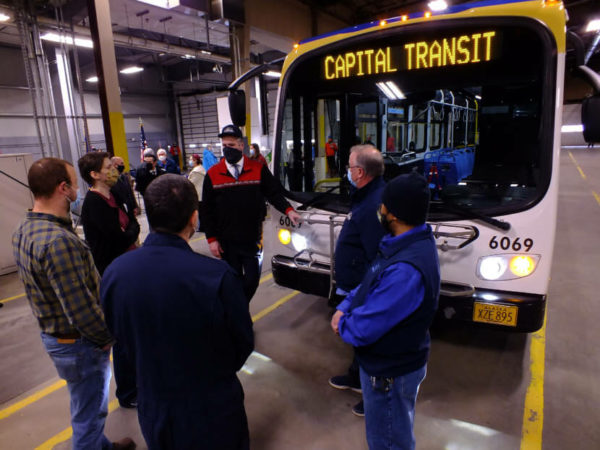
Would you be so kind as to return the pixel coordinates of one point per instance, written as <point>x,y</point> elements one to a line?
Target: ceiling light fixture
<point>53,37</point>
<point>593,25</point>
<point>92,80</point>
<point>437,5</point>
<point>166,4</point>
<point>395,89</point>
<point>132,69</point>
<point>4,17</point>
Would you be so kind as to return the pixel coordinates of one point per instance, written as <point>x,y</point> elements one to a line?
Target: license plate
<point>497,314</point>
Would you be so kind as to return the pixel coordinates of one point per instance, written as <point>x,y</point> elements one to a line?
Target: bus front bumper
<point>503,310</point>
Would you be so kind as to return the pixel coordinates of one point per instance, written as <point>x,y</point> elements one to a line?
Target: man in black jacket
<point>147,171</point>
<point>233,202</point>
<point>123,187</point>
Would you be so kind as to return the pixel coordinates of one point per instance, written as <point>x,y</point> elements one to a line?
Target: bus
<point>470,97</point>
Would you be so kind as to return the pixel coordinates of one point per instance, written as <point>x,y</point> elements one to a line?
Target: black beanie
<point>407,198</point>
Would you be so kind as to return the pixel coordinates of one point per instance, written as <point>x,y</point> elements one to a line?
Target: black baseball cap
<point>231,130</point>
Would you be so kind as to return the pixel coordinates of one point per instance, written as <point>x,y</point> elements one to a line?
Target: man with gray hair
<point>359,239</point>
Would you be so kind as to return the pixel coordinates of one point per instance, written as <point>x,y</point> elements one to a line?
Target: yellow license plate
<point>497,314</point>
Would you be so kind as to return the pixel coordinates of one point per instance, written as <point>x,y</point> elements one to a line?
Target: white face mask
<point>162,158</point>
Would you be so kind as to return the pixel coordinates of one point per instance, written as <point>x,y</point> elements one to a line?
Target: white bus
<point>470,97</point>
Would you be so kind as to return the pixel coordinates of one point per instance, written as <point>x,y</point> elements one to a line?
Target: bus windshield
<point>467,104</point>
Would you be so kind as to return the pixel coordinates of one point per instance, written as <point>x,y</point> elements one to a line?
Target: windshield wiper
<point>468,213</point>
<point>315,199</point>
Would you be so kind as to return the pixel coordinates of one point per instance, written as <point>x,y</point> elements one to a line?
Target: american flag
<point>143,143</point>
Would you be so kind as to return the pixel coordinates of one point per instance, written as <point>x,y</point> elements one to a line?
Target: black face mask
<point>385,223</point>
<point>120,169</point>
<point>232,155</point>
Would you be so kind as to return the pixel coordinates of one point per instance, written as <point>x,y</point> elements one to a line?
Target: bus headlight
<point>492,267</point>
<point>299,242</point>
<point>285,237</point>
<point>506,267</point>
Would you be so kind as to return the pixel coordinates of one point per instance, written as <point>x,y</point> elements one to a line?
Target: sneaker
<point>124,444</point>
<point>359,409</point>
<point>345,382</point>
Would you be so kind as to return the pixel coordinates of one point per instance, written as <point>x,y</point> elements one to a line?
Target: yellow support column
<point>108,78</point>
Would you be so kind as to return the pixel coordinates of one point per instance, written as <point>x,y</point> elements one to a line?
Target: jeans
<point>390,409</point>
<point>86,369</point>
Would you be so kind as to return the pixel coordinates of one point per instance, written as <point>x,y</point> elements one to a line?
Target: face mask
<point>74,205</point>
<point>349,174</point>
<point>191,163</point>
<point>384,222</point>
<point>162,158</point>
<point>120,169</point>
<point>232,155</point>
<point>112,177</point>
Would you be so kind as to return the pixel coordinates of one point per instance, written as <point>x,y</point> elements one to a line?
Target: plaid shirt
<point>60,278</point>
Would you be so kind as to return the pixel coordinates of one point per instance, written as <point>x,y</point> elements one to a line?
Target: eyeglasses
<point>354,167</point>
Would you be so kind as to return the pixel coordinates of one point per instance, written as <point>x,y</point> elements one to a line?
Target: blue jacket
<point>359,239</point>
<point>183,320</point>
<point>387,317</point>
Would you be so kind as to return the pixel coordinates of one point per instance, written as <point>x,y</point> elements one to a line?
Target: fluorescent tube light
<point>53,37</point>
<point>572,129</point>
<point>395,89</point>
<point>92,80</point>
<point>4,17</point>
<point>386,90</point>
<point>133,69</point>
<point>166,4</point>
<point>437,5</point>
<point>593,25</point>
<point>271,73</point>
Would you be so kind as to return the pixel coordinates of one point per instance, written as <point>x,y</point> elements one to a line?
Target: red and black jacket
<point>233,210</point>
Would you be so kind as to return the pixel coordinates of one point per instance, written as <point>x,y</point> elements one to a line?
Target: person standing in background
<point>109,231</point>
<point>331,150</point>
<point>62,286</point>
<point>256,155</point>
<point>166,163</point>
<point>196,176</point>
<point>124,186</point>
<point>147,171</point>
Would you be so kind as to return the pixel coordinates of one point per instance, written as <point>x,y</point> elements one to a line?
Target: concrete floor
<point>473,396</point>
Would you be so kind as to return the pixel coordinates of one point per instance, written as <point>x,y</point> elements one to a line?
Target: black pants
<point>246,259</point>
<point>124,376</point>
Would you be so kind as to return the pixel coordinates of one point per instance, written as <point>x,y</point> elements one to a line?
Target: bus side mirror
<point>590,118</point>
<point>237,107</point>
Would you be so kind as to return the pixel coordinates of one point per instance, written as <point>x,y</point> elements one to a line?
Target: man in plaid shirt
<point>62,287</point>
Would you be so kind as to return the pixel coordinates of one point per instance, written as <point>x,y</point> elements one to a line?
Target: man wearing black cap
<point>233,201</point>
<point>387,317</point>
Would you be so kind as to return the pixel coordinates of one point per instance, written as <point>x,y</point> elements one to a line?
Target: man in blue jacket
<point>359,240</point>
<point>188,331</point>
<point>387,317</point>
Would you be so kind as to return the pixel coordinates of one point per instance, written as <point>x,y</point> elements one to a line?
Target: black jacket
<point>123,190</point>
<point>144,176</point>
<point>233,210</point>
<point>102,230</point>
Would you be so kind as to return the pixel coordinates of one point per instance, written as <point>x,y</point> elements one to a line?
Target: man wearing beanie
<point>387,317</point>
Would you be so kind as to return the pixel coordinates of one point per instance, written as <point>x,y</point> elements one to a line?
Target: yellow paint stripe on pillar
<point>533,412</point>
<point>31,399</point>
<point>117,126</point>
<point>14,297</point>
<point>277,304</point>
<point>67,433</point>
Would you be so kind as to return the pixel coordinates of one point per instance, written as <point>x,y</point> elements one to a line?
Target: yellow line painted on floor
<point>266,278</point>
<point>14,297</point>
<point>533,413</point>
<point>31,399</point>
<point>274,306</point>
<point>596,196</point>
<point>577,165</point>
<point>66,434</point>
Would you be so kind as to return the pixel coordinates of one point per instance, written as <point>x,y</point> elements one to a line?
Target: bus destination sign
<point>448,51</point>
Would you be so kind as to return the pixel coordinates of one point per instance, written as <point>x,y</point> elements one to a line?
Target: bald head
<point>117,161</point>
<point>369,158</point>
